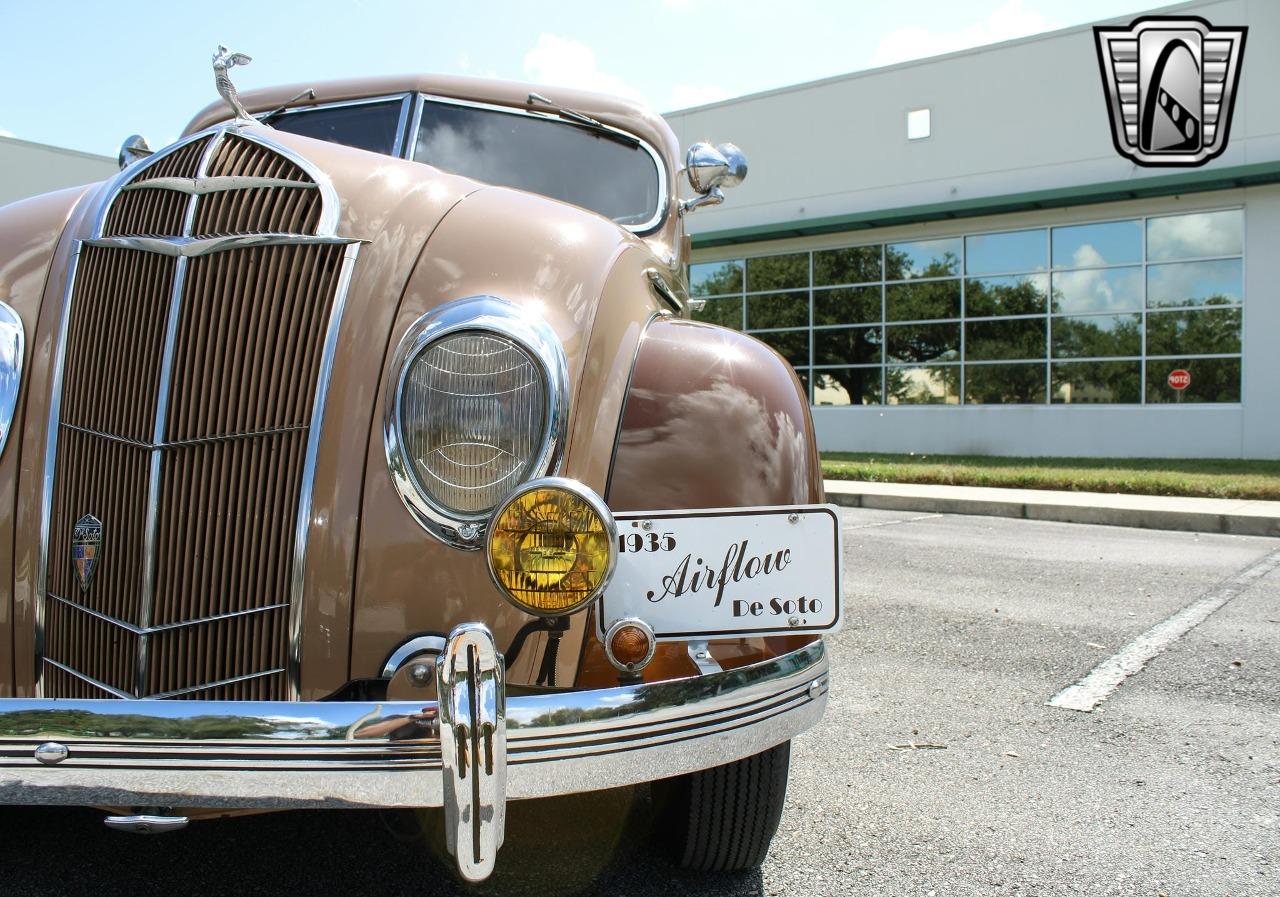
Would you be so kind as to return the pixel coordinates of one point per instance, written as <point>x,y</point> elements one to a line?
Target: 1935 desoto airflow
<point>358,452</point>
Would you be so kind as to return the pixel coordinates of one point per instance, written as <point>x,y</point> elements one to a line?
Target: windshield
<point>610,175</point>
<point>366,126</point>
<point>604,172</point>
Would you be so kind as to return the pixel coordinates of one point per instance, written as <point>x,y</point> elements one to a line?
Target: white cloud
<point>684,96</point>
<point>564,62</point>
<point>4,133</point>
<point>1009,21</point>
<point>464,62</point>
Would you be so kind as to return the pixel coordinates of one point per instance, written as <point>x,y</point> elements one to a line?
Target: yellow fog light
<point>552,546</point>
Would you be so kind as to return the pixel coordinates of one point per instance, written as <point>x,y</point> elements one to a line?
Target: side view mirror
<point>135,147</point>
<point>710,169</point>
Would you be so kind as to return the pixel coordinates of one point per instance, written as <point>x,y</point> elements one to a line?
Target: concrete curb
<point>1203,515</point>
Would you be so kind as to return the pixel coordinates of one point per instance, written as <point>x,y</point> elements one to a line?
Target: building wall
<point>1023,115</point>
<point>29,169</point>
<point>1018,117</point>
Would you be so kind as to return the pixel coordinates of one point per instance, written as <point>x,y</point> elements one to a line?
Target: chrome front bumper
<point>487,748</point>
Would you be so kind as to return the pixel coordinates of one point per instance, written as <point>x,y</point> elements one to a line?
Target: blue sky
<point>86,74</point>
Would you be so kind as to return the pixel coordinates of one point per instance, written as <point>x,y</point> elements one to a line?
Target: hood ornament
<point>223,60</point>
<point>86,544</point>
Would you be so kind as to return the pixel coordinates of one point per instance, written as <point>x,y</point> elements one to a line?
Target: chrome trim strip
<point>422,644</point>
<point>402,138</point>
<point>664,178</point>
<point>361,754</point>
<point>161,695</point>
<point>182,443</point>
<point>475,313</point>
<point>50,465</point>
<point>193,247</point>
<point>303,525</point>
<point>200,186</point>
<point>163,627</point>
<point>94,682</point>
<point>12,347</point>
<point>147,596</point>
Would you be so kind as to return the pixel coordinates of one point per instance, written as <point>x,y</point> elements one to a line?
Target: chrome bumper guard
<point>487,748</point>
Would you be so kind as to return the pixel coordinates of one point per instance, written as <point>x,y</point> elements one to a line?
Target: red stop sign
<point>1179,379</point>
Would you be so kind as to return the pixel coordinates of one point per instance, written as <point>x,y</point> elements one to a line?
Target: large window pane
<point>923,258</point>
<point>922,385</point>
<point>1097,336</point>
<point>922,301</point>
<point>793,345</point>
<point>1084,245</point>
<point>1023,250</point>
<point>914,343</point>
<point>847,386</point>
<point>1197,235</point>
<point>1111,289</point>
<point>725,312</point>
<point>715,278</point>
<point>1206,332</point>
<point>1097,382</point>
<point>857,264</point>
<point>1195,283</point>
<point>1004,339</point>
<point>847,345</point>
<point>774,310</point>
<point>1004,384</point>
<point>852,305</point>
<point>1022,295</point>
<point>1212,380</point>
<point>778,272</point>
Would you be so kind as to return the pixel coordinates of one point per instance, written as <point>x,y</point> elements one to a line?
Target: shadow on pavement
<point>604,843</point>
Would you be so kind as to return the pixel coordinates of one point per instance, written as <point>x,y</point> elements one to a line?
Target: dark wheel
<point>723,818</point>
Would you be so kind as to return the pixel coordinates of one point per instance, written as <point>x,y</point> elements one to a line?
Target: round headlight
<point>478,407</point>
<point>552,546</point>
<point>473,413</point>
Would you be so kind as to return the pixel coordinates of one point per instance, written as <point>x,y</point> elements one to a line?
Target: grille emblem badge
<point>86,547</point>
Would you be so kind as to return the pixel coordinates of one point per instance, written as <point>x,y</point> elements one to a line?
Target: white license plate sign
<point>732,572</point>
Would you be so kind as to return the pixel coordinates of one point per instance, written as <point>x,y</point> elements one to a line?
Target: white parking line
<point>1106,677</point>
<point>893,522</point>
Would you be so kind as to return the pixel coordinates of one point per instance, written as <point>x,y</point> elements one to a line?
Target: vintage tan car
<point>358,451</point>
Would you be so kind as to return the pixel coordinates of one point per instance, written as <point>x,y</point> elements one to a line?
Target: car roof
<point>612,110</point>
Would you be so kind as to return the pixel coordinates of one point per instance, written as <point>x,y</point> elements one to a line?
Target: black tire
<point>724,818</point>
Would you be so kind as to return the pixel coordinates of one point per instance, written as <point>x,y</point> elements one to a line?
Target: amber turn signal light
<point>552,546</point>
<point>629,644</point>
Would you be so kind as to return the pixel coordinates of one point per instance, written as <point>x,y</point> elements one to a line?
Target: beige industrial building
<point>955,258</point>
<point>28,169</point>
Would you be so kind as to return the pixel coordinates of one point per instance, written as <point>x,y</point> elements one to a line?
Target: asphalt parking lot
<point>938,770</point>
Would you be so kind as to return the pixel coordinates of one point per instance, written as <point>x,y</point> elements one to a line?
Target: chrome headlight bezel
<point>480,314</point>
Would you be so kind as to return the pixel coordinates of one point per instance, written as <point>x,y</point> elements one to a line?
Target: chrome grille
<point>188,409</point>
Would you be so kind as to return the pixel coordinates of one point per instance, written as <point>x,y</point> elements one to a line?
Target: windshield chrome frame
<point>409,123</point>
<point>648,226</point>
